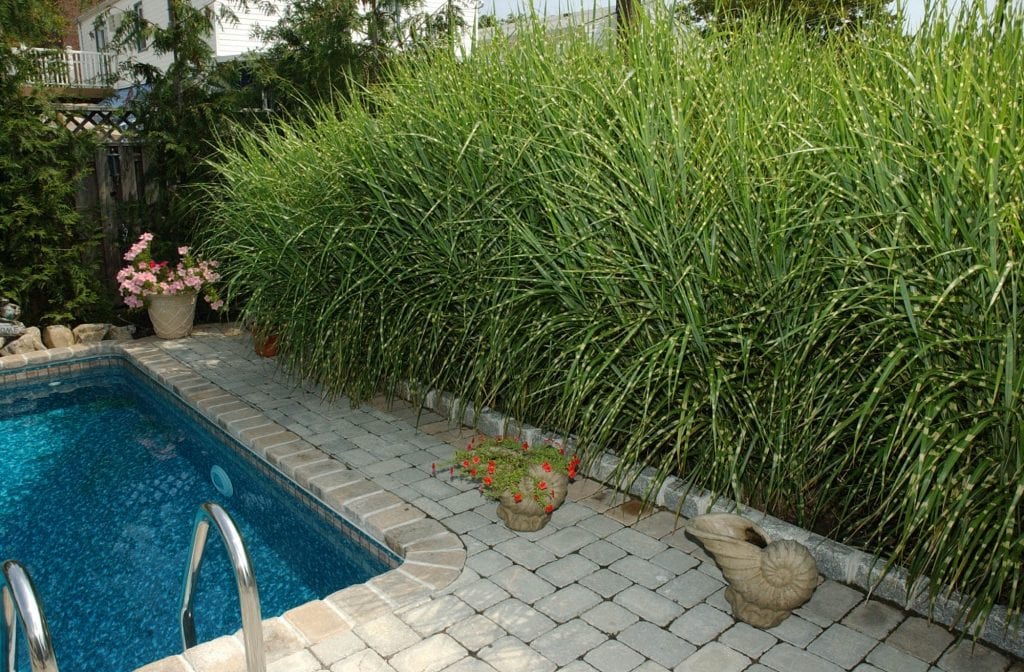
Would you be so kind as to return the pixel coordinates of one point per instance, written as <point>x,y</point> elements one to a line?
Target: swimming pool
<point>103,474</point>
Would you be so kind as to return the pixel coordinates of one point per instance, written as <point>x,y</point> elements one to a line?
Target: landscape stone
<point>90,333</point>
<point>125,333</point>
<point>30,341</point>
<point>58,336</point>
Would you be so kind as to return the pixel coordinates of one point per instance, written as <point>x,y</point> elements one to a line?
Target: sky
<point>502,8</point>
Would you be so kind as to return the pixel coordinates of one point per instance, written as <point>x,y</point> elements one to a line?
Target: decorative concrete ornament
<point>767,580</point>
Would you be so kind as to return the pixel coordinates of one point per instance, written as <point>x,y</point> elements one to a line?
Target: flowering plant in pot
<point>528,482</point>
<point>167,290</point>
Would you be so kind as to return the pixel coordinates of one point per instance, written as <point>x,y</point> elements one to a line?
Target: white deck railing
<point>72,68</point>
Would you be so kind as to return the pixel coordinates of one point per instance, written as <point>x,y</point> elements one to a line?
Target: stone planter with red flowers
<point>528,482</point>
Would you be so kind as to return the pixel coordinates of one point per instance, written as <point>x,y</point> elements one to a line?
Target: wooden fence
<point>114,186</point>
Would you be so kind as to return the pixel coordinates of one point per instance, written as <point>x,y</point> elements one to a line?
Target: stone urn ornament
<point>767,579</point>
<point>529,482</point>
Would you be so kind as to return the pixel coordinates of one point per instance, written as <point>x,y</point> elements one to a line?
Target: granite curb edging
<point>835,560</point>
<point>432,555</point>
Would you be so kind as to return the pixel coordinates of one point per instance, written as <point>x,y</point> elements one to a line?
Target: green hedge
<point>782,268</point>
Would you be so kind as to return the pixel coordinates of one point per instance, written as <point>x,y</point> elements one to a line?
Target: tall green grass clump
<point>780,267</point>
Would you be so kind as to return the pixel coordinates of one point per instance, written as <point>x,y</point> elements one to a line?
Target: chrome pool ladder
<point>245,579</point>
<point>20,601</point>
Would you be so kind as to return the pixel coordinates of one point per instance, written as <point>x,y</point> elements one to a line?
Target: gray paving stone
<point>524,553</point>
<point>891,659</point>
<point>568,641</point>
<point>796,631</point>
<point>567,569</point>
<point>714,657</point>
<point>636,543</point>
<point>613,656</point>
<point>675,560</point>
<point>430,655</point>
<point>476,632</point>
<point>336,647</point>
<point>641,571</point>
<point>488,562</point>
<point>602,526</point>
<point>659,524</point>
<point>966,656</point>
<point>602,552</point>
<point>520,620</point>
<point>650,666</point>
<point>718,601</point>
<point>492,534</point>
<point>690,588</point>
<point>568,603</point>
<point>701,624</point>
<point>864,667</point>
<point>606,583</point>
<point>386,635</point>
<point>656,643</point>
<point>787,658</point>
<point>874,619</point>
<point>470,665</point>
<point>522,584</point>
<point>610,617</point>
<point>364,661</point>
<point>465,521</point>
<point>830,602</point>
<point>511,655</point>
<point>568,540</point>
<point>435,615</point>
<point>577,666</point>
<point>747,639</point>
<point>648,605</point>
<point>481,594</point>
<point>842,645</point>
<point>920,638</point>
<point>463,501</point>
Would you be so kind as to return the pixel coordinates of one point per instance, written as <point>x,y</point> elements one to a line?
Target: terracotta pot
<point>265,346</point>
<point>172,315</point>
<point>530,515</point>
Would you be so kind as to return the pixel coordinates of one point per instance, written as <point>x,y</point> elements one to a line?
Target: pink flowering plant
<point>144,277</point>
<point>508,464</point>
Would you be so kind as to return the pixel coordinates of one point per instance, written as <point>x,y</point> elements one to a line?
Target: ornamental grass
<point>780,267</point>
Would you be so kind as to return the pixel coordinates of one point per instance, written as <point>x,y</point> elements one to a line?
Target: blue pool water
<point>101,482</point>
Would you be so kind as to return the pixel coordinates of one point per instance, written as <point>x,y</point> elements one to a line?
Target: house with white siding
<point>97,25</point>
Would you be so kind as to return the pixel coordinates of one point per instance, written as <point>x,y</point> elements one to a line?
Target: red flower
<point>546,467</point>
<point>572,471</point>
<point>465,463</point>
<point>549,508</point>
<point>542,485</point>
<point>152,264</point>
<point>491,467</point>
<point>488,480</point>
<point>518,497</point>
<point>476,459</point>
<point>472,472</point>
<point>526,446</point>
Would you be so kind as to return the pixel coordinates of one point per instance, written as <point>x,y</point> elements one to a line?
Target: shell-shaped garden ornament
<point>767,580</point>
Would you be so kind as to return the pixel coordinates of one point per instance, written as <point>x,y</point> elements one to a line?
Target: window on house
<point>99,30</point>
<point>140,38</point>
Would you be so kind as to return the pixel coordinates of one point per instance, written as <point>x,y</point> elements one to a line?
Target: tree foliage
<point>48,259</point>
<point>816,16</point>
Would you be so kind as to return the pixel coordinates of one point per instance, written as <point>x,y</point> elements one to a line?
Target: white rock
<point>58,336</point>
<point>90,333</point>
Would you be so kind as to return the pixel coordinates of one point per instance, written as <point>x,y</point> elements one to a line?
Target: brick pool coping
<point>432,555</point>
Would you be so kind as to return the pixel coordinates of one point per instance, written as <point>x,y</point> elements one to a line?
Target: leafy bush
<point>783,269</point>
<point>49,260</point>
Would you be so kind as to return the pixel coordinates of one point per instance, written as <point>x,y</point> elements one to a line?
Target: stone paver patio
<point>606,586</point>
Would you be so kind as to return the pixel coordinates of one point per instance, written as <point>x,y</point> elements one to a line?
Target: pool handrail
<point>245,579</point>
<point>21,601</point>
